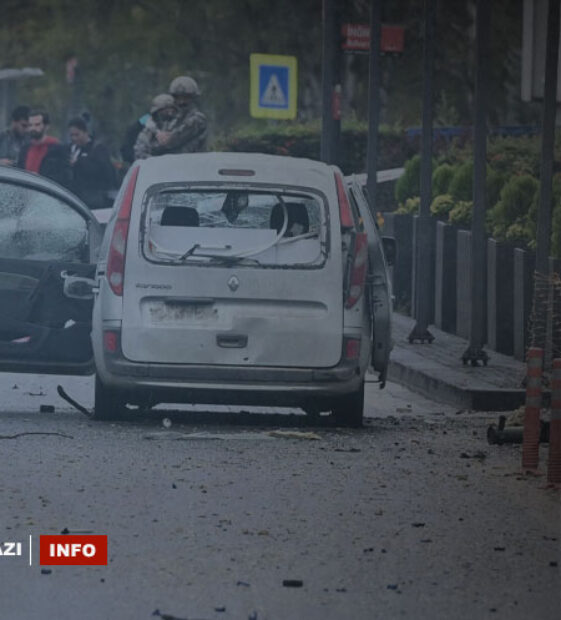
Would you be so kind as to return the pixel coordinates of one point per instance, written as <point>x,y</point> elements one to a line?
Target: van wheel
<point>348,409</point>
<point>109,404</point>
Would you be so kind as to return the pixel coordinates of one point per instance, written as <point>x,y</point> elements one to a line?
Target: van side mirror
<point>390,250</point>
<point>78,287</point>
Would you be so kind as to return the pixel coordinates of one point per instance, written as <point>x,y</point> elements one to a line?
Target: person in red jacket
<point>44,154</point>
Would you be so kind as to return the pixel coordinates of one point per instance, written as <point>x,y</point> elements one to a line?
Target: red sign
<point>392,39</point>
<point>357,38</point>
<point>73,550</point>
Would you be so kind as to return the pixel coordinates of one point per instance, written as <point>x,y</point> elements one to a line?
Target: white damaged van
<point>239,279</point>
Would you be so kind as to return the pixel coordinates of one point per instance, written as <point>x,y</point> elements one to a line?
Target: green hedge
<point>304,140</point>
<point>512,189</point>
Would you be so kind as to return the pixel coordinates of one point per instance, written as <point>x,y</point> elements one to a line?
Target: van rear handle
<point>189,301</point>
<point>231,341</point>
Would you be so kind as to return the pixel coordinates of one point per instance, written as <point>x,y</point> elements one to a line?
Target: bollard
<point>531,439</point>
<point>554,459</point>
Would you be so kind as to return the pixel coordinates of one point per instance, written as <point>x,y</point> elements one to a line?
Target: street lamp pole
<point>475,352</point>
<point>424,231</point>
<point>543,236</point>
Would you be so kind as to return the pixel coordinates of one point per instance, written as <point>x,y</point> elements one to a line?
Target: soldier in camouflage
<point>188,133</point>
<point>163,115</point>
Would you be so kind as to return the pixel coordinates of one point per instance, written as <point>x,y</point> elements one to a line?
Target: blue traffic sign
<point>273,86</point>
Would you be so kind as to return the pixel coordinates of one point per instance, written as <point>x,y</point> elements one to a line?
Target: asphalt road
<point>414,516</point>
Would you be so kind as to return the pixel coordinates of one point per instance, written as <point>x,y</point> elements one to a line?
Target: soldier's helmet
<point>184,85</point>
<point>160,102</point>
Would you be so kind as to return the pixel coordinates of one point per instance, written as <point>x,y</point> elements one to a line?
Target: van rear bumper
<point>228,384</point>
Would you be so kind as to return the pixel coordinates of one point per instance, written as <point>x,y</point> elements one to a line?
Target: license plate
<point>179,313</point>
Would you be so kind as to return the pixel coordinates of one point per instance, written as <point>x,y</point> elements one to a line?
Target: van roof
<point>222,167</point>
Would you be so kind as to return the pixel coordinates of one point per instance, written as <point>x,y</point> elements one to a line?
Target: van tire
<point>349,409</point>
<point>109,404</point>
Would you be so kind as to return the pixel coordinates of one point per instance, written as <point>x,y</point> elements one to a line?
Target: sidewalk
<point>436,371</point>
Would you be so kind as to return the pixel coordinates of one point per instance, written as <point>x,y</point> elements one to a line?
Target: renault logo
<point>233,283</point>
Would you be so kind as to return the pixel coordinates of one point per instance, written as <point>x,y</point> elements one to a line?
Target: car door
<point>48,246</point>
<point>379,287</point>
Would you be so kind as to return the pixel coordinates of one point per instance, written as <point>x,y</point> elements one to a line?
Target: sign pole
<point>328,74</point>
<point>374,84</point>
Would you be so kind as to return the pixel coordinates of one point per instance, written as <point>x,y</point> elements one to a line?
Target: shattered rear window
<point>202,226</point>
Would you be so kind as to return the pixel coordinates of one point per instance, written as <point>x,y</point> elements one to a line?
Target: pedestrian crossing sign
<point>273,86</point>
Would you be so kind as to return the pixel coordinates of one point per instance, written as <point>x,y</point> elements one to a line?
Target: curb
<point>476,399</point>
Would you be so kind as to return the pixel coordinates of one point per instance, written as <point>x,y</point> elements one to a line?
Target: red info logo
<point>73,550</point>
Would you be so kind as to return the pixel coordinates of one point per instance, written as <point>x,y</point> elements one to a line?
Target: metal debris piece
<point>35,433</point>
<point>294,435</point>
<point>70,400</point>
<point>501,434</point>
<point>292,583</point>
<point>46,409</point>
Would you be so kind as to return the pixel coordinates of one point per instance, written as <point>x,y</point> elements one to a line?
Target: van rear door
<point>230,275</point>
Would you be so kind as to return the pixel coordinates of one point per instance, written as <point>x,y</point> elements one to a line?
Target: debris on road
<point>166,616</point>
<point>46,409</point>
<point>513,433</point>
<point>35,433</point>
<point>179,436</point>
<point>480,455</point>
<point>70,400</point>
<point>46,571</point>
<point>292,583</point>
<point>294,435</point>
<point>166,423</point>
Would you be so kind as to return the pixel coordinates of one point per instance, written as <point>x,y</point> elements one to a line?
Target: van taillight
<point>345,213</point>
<point>116,261</point>
<point>351,348</point>
<point>358,270</point>
<point>111,341</point>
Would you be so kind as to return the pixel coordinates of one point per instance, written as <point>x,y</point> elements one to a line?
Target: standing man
<point>44,154</point>
<point>12,139</point>
<point>189,132</point>
<point>93,175</point>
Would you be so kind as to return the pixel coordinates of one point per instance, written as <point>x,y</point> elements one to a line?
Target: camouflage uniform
<point>188,132</point>
<point>147,144</point>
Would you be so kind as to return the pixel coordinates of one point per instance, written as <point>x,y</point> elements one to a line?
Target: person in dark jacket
<point>93,175</point>
<point>44,154</point>
<point>131,135</point>
<point>13,138</point>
